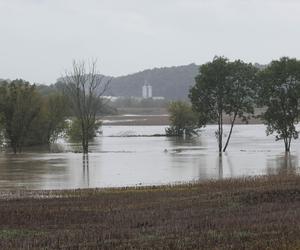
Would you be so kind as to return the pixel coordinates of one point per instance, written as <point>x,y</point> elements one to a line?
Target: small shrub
<point>183,119</point>
<point>74,131</point>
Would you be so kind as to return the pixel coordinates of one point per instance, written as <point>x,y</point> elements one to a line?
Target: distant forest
<point>172,83</point>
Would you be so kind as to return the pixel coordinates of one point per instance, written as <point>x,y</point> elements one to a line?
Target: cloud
<point>39,38</point>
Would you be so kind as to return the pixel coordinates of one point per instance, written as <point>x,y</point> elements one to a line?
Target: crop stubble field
<point>252,213</point>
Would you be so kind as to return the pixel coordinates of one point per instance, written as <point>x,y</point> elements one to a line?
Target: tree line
<point>221,88</point>
<point>29,118</point>
<point>233,89</point>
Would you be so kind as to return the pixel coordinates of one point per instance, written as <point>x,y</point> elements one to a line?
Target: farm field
<point>251,213</point>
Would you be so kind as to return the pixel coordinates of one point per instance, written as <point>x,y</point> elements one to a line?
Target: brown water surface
<point>120,158</point>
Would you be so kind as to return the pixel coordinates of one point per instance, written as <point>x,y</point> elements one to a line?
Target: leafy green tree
<point>241,91</point>
<point>74,131</point>
<point>280,93</point>
<point>20,105</point>
<point>224,88</point>
<point>56,113</point>
<point>208,96</point>
<point>183,119</point>
<point>50,122</point>
<point>27,119</point>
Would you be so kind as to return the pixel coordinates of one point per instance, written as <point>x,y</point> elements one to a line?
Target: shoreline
<point>156,120</point>
<point>12,193</point>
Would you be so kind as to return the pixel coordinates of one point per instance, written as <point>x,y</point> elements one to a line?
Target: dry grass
<point>254,213</point>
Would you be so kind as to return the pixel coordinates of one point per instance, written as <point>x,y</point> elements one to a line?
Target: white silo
<point>145,91</point>
<point>149,91</point>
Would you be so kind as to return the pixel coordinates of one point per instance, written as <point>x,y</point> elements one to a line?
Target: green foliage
<point>84,90</point>
<point>56,110</point>
<point>46,90</point>
<point>241,86</point>
<point>207,96</point>
<point>11,234</point>
<point>183,119</point>
<point>74,131</point>
<point>280,93</point>
<point>20,104</point>
<point>223,87</point>
<point>50,122</point>
<point>241,93</point>
<point>27,118</point>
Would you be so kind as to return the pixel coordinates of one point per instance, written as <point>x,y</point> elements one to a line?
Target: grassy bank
<point>260,213</point>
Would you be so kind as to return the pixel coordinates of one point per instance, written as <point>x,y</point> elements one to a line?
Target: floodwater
<point>121,158</point>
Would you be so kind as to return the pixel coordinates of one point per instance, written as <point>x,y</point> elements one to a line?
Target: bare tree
<point>84,88</point>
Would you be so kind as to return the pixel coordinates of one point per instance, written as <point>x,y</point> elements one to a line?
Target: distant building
<point>111,98</point>
<point>158,98</point>
<point>147,90</point>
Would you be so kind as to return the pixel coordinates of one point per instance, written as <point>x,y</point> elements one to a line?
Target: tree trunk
<point>85,139</point>
<point>230,132</point>
<point>220,132</point>
<point>290,143</point>
<point>287,144</point>
<point>86,142</point>
<point>220,166</point>
<point>86,147</point>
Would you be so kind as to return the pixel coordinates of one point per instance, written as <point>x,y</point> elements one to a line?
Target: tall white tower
<point>147,90</point>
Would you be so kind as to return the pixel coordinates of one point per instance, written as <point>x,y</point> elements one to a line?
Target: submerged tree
<point>84,89</point>
<point>240,93</point>
<point>280,93</point>
<point>50,123</point>
<point>223,88</point>
<point>208,94</point>
<point>56,111</point>
<point>20,105</point>
<point>183,119</point>
<point>74,130</point>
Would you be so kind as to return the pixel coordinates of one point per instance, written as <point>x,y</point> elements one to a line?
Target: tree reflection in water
<point>284,164</point>
<point>85,169</point>
<point>220,166</point>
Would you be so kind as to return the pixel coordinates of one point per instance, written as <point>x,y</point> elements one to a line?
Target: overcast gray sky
<point>40,38</point>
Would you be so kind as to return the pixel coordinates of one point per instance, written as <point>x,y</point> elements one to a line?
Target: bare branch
<point>84,89</point>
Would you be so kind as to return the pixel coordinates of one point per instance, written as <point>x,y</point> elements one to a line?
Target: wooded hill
<point>173,83</point>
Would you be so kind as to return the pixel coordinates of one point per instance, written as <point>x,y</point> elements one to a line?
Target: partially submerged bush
<point>74,131</point>
<point>183,119</point>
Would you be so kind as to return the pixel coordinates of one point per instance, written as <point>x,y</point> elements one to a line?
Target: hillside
<point>173,83</point>
<point>169,82</point>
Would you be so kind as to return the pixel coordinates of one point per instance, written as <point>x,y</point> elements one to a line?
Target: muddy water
<point>119,160</point>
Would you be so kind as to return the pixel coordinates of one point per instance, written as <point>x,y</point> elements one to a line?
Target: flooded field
<point>128,156</point>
